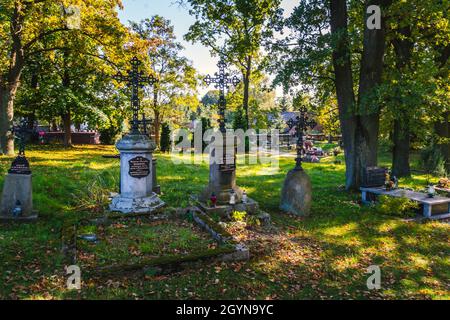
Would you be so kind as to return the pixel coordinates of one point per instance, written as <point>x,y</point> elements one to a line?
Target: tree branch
<point>42,35</point>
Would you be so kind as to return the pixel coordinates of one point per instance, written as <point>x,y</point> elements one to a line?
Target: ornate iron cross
<point>222,81</point>
<point>135,79</point>
<point>22,132</point>
<point>301,124</point>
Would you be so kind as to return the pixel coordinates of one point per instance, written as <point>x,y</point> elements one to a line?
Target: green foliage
<point>108,135</point>
<point>236,30</point>
<point>165,137</point>
<point>175,93</point>
<point>433,161</point>
<point>402,207</point>
<point>239,119</point>
<point>95,199</point>
<point>253,220</point>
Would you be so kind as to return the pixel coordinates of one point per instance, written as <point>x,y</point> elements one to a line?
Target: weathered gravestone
<point>296,195</point>
<point>136,161</point>
<point>17,199</point>
<point>222,169</point>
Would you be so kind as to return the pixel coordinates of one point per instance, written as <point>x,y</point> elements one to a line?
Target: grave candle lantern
<point>213,199</point>
<point>232,197</point>
<point>244,197</point>
<point>431,191</point>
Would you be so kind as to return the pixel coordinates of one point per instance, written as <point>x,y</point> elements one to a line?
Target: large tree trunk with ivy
<point>359,121</point>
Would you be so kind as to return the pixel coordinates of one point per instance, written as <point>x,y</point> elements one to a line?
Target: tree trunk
<point>7,137</point>
<point>3,122</point>
<point>369,78</point>
<point>157,126</point>
<point>16,64</point>
<point>400,153</point>
<point>442,128</point>
<point>245,102</point>
<point>403,47</point>
<point>66,117</point>
<point>359,127</point>
<point>157,122</point>
<point>54,126</point>
<point>344,87</point>
<point>442,131</point>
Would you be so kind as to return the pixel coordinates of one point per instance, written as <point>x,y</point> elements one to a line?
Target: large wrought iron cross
<point>222,81</point>
<point>135,79</point>
<point>301,124</point>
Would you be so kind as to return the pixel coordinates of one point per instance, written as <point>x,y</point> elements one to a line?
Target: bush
<point>108,135</point>
<point>165,137</point>
<point>400,207</point>
<point>433,161</point>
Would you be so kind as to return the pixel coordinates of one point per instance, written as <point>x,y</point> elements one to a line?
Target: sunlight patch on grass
<point>345,262</point>
<point>342,230</point>
<point>419,261</point>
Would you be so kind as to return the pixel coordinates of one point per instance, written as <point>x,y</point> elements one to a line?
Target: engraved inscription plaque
<point>139,167</point>
<point>229,163</point>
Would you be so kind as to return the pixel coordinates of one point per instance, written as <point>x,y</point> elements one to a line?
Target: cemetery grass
<point>324,256</point>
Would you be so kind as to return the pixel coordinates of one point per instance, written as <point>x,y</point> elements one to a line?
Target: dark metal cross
<point>135,79</point>
<point>21,133</point>
<point>145,123</point>
<point>301,124</point>
<point>222,81</point>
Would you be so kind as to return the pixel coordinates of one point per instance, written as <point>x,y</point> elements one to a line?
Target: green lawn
<point>323,256</point>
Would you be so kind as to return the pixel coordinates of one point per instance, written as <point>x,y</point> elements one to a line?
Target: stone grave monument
<point>17,198</point>
<point>296,195</point>
<point>136,160</point>
<point>223,195</point>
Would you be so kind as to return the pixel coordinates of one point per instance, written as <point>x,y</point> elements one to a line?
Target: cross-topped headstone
<point>135,79</point>
<point>301,124</point>
<point>20,164</point>
<point>222,81</point>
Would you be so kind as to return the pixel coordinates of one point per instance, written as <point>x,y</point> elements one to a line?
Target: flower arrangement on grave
<point>444,183</point>
<point>388,183</point>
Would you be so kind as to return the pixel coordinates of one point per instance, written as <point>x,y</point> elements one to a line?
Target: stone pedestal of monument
<point>136,176</point>
<point>17,197</point>
<point>296,193</point>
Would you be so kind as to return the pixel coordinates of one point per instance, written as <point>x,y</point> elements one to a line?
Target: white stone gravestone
<point>136,176</point>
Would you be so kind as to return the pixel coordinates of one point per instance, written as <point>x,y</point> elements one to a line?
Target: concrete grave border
<point>229,249</point>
